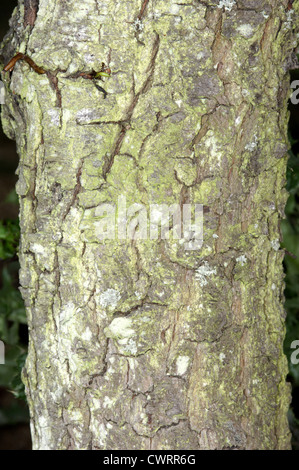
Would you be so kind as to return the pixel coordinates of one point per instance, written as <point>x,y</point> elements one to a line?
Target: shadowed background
<point>14,417</point>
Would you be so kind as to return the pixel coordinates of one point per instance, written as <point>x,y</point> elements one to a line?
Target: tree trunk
<point>141,343</point>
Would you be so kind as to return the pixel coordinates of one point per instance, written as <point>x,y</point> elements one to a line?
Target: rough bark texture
<point>141,344</point>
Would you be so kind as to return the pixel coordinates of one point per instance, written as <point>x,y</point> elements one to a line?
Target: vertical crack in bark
<point>53,79</point>
<point>115,150</point>
<point>57,283</point>
<point>145,87</point>
<point>30,12</point>
<point>77,189</point>
<point>142,9</point>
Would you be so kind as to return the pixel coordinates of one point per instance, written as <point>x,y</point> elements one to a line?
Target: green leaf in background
<point>12,198</point>
<point>290,232</point>
<point>9,238</point>
<point>12,317</point>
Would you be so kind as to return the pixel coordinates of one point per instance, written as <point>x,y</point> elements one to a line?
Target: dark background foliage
<point>290,232</point>
<point>14,416</point>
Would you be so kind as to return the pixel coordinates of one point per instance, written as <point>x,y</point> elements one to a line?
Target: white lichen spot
<point>75,415</point>
<point>242,260</point>
<point>138,26</point>
<point>101,432</point>
<point>132,363</point>
<point>275,244</point>
<point>44,431</point>
<point>54,116</point>
<point>110,298</point>
<point>2,93</point>
<point>246,30</point>
<point>155,15</point>
<point>203,272</point>
<point>227,4</point>
<point>99,273</point>
<point>289,19</point>
<point>252,145</point>
<point>87,334</point>
<point>37,249</point>
<point>67,313</point>
<point>200,55</point>
<point>56,236</point>
<point>238,120</point>
<point>222,356</point>
<point>215,235</point>
<point>107,402</point>
<point>138,295</point>
<point>212,146</point>
<point>225,264</point>
<point>67,114</point>
<point>129,345</point>
<point>273,287</point>
<point>145,319</point>
<point>182,363</point>
<point>121,328</point>
<point>174,8</point>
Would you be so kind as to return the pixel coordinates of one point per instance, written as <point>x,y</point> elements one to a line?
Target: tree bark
<point>142,344</point>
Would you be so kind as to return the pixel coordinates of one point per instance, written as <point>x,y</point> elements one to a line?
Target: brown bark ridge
<point>141,343</point>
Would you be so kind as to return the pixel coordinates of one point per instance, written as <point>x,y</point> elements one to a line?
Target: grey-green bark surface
<point>141,344</point>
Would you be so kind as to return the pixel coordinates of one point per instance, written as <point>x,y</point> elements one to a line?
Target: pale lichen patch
<point>87,334</point>
<point>128,345</point>
<point>120,328</point>
<point>242,260</point>
<point>46,434</point>
<point>212,145</point>
<point>138,25</point>
<point>67,313</point>
<point>222,356</point>
<point>246,30</point>
<point>110,298</point>
<point>101,432</point>
<point>54,115</point>
<point>182,363</point>
<point>203,272</point>
<point>38,249</point>
<point>275,244</point>
<point>227,4</point>
<point>252,145</point>
<point>107,402</point>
